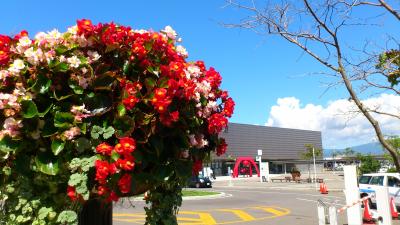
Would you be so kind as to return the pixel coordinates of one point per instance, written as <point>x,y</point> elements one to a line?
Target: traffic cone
<point>367,217</point>
<point>393,209</point>
<point>324,189</point>
<point>320,188</point>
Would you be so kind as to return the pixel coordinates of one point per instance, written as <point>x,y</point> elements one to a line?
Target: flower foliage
<point>101,111</point>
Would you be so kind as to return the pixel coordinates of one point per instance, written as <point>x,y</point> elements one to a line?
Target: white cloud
<point>340,124</point>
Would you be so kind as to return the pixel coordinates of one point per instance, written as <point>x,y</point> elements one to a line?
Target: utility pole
<point>315,168</point>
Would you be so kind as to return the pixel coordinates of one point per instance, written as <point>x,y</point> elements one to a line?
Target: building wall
<point>276,143</point>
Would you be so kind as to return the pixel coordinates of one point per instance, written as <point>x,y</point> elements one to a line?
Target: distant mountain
<point>374,148</point>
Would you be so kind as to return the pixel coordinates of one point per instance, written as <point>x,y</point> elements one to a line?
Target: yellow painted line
<point>129,215</point>
<point>204,218</point>
<point>138,218</point>
<point>240,213</point>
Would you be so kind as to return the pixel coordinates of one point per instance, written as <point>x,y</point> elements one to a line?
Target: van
<point>368,182</point>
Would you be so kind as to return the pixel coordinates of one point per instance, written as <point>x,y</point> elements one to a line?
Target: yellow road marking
<point>138,218</point>
<point>204,218</point>
<point>240,213</point>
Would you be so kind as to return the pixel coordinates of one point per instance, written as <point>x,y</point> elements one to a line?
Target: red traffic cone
<point>324,189</point>
<point>320,188</point>
<point>367,217</point>
<point>393,209</point>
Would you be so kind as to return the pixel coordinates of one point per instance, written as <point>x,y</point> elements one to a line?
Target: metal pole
<point>259,168</point>
<point>315,169</point>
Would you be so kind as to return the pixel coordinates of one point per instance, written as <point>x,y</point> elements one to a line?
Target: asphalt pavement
<point>248,201</point>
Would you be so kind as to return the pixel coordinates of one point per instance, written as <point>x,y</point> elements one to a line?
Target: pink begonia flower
<point>182,51</point>
<point>11,127</point>
<point>197,141</point>
<point>171,33</point>
<point>16,66</point>
<point>74,61</point>
<point>4,74</point>
<point>72,133</point>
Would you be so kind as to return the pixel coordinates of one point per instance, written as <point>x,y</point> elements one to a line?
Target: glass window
<point>378,180</point>
<point>393,182</point>
<point>364,179</point>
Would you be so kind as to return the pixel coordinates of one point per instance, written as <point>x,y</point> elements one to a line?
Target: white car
<point>368,182</point>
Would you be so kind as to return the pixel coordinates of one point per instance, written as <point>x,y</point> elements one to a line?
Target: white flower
<point>74,61</point>
<point>171,33</point>
<point>141,31</point>
<point>50,55</point>
<point>40,38</point>
<point>194,71</point>
<point>17,66</point>
<point>11,126</point>
<point>72,133</point>
<point>33,57</point>
<point>181,51</point>
<point>4,74</point>
<point>62,58</point>
<point>73,30</point>
<point>83,82</point>
<point>24,41</point>
<point>54,37</point>
<point>93,55</point>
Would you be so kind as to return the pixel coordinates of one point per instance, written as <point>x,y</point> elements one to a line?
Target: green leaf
<point>121,110</point>
<point>82,144</point>
<point>48,128</point>
<point>149,82</point>
<point>62,67</point>
<point>83,60</point>
<point>114,156</point>
<point>103,81</point>
<point>96,132</point>
<point>68,217</point>
<point>63,120</point>
<point>157,143</point>
<point>42,114</point>
<point>76,179</point>
<point>7,144</point>
<point>29,109</point>
<point>75,87</point>
<point>123,125</point>
<point>42,84</point>
<point>57,146</point>
<point>43,212</point>
<point>126,68</point>
<point>61,49</point>
<point>82,163</point>
<point>108,132</point>
<point>47,164</point>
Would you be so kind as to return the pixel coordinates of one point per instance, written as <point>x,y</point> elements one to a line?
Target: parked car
<point>200,181</point>
<point>368,182</point>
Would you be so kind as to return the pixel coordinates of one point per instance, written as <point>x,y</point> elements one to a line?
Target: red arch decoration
<point>240,160</point>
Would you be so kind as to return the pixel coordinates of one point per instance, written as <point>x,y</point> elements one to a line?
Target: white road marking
<point>285,193</point>
<point>309,200</point>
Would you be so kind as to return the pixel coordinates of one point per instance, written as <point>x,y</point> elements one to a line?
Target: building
<point>282,147</point>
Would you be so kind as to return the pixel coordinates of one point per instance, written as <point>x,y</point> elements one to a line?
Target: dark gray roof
<point>276,143</point>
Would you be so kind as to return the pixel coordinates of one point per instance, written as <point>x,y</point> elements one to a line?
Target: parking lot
<point>254,203</point>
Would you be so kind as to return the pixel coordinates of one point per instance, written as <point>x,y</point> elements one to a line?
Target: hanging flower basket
<point>102,112</point>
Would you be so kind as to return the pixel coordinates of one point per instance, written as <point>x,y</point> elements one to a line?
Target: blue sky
<point>256,70</point>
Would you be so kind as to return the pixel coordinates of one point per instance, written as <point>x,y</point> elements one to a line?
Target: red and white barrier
<point>353,203</point>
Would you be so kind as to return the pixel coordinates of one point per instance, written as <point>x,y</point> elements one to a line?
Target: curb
<point>220,195</point>
<point>282,188</point>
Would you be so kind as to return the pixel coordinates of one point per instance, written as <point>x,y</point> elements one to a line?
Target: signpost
<point>264,167</point>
